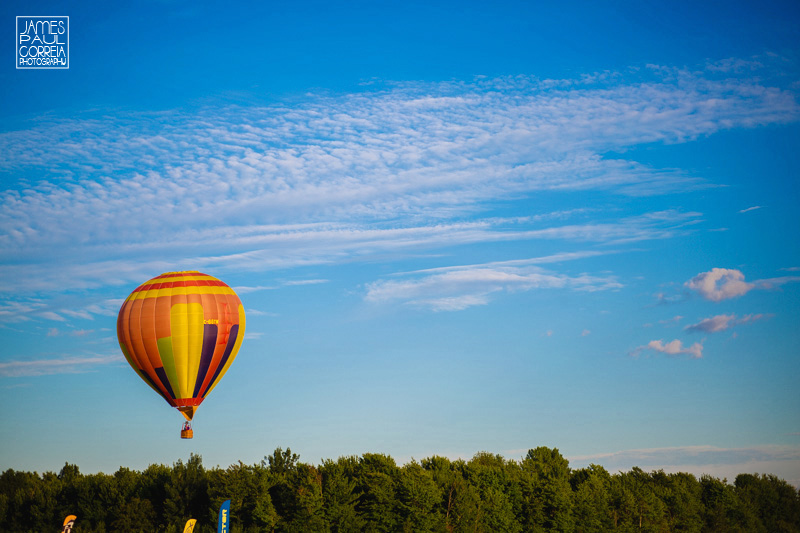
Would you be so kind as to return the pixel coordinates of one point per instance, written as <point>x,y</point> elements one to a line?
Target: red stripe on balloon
<point>186,283</point>
<point>187,402</point>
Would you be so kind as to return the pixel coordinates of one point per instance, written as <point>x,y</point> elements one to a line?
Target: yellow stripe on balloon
<point>194,312</point>
<point>179,328</point>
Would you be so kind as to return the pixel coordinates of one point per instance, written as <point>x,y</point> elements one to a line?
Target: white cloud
<point>50,315</point>
<point>305,282</point>
<point>43,367</point>
<point>783,461</point>
<point>328,179</point>
<point>713,324</point>
<point>518,263</point>
<point>273,247</point>
<point>723,322</point>
<point>256,312</point>
<point>453,303</point>
<point>459,287</point>
<point>242,289</point>
<point>753,318</point>
<point>77,313</point>
<point>750,209</point>
<point>34,309</point>
<point>734,64</point>
<point>723,283</point>
<point>720,284</point>
<point>774,283</point>
<point>18,311</point>
<point>665,299</point>
<point>674,348</point>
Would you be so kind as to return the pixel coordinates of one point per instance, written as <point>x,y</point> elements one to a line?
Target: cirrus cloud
<point>65,365</point>
<point>259,183</point>
<point>458,287</point>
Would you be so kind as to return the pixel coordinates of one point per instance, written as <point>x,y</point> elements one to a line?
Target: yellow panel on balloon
<point>186,324</point>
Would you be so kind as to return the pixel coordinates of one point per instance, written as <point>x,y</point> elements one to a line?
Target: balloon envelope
<point>180,332</point>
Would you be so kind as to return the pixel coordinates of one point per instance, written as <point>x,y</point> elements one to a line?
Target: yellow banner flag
<point>69,521</point>
<point>189,525</point>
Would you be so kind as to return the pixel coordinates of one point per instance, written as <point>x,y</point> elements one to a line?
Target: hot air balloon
<point>180,332</point>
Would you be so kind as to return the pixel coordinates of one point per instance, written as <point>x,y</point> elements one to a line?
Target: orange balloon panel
<point>180,332</point>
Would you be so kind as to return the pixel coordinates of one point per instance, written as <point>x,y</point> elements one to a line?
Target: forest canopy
<point>371,493</point>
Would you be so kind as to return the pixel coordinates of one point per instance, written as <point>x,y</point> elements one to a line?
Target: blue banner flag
<point>223,524</point>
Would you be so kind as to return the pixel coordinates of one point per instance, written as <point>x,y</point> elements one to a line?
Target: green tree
<point>341,496</point>
<point>722,510</point>
<point>492,478</point>
<point>372,494</point>
<point>151,485</point>
<point>419,499</point>
<point>376,483</point>
<point>134,516</point>
<point>307,510</point>
<point>186,491</point>
<point>546,492</point>
<point>459,500</point>
<point>97,500</point>
<point>70,481</point>
<point>681,494</point>
<point>45,508</point>
<point>624,510</point>
<point>636,505</point>
<point>774,502</point>
<point>591,506</point>
<point>280,465</point>
<point>296,492</point>
<point>18,489</point>
<point>247,487</point>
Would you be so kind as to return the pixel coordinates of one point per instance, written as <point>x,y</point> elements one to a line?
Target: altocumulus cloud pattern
<point>341,177</point>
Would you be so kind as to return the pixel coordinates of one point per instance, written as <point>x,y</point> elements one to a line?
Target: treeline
<point>372,493</point>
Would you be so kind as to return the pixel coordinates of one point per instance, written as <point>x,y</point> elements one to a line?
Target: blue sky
<point>455,228</point>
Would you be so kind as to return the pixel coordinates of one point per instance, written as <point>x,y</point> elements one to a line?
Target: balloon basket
<point>187,433</point>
